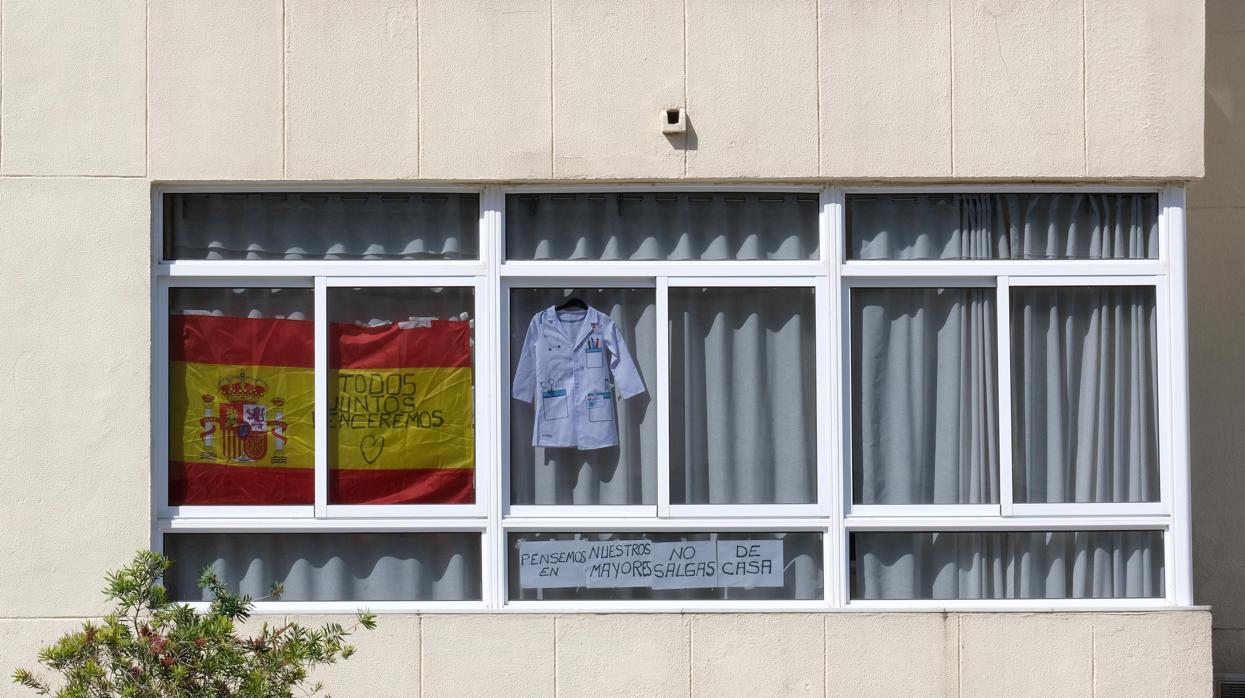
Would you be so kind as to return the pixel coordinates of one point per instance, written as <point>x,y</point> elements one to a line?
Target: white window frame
<point>831,276</point>
<point>1167,515</point>
<point>321,516</point>
<point>509,509</point>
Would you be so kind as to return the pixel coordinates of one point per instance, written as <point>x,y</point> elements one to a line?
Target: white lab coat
<point>572,362</point>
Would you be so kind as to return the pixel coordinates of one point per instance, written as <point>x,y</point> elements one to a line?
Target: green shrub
<point>150,647</point>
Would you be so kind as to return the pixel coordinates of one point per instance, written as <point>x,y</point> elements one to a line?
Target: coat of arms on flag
<point>242,422</point>
<point>241,397</point>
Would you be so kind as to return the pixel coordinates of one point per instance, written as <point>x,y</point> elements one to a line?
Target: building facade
<point>908,365</point>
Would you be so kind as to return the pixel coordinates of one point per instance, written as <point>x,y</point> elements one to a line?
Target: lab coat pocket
<point>554,405</point>
<point>601,407</point>
<point>594,358</point>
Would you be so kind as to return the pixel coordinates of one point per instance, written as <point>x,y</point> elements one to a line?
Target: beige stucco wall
<point>1139,655</point>
<point>520,89</point>
<point>101,98</point>
<point>1216,222</point>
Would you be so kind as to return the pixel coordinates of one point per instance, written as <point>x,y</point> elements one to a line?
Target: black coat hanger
<point>572,302</point>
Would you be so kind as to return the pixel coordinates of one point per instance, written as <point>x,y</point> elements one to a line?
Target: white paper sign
<point>685,565</point>
<point>548,564</point>
<point>619,563</point>
<point>750,563</point>
<point>551,564</point>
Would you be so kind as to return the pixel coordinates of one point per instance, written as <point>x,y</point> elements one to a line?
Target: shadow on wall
<point>685,141</point>
<point>1216,223</point>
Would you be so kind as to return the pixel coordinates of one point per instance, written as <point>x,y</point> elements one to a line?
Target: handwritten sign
<point>684,565</point>
<point>749,563</point>
<point>549,564</point>
<point>622,563</point>
<point>642,563</point>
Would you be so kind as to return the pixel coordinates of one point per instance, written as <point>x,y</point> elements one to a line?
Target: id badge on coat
<point>554,404</point>
<point>601,406</point>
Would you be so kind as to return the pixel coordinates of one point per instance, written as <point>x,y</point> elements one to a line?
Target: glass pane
<point>924,396</point>
<point>401,413</point>
<point>595,442</point>
<point>1003,226</point>
<point>329,566</point>
<point>656,566</point>
<point>662,226</point>
<point>743,396</point>
<point>1084,394</point>
<point>276,225</point>
<point>241,396</point>
<point>1007,565</point>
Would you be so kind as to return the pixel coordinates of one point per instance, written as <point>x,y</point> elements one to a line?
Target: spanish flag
<point>241,397</point>
<point>401,422</point>
<point>241,417</point>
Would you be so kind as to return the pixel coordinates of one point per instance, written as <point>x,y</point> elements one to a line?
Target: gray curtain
<point>623,474</point>
<point>329,566</point>
<point>803,566</point>
<point>376,306</point>
<point>1003,226</point>
<point>349,305</point>
<point>322,226</point>
<point>924,396</point>
<point>1008,565</point>
<point>743,396</point>
<point>662,226</point>
<point>1084,394</point>
<point>280,303</point>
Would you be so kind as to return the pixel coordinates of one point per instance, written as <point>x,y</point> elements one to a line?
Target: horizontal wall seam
<point>70,176</point>
<point>742,612</point>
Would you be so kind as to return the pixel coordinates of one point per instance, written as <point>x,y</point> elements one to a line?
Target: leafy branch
<point>151,647</point>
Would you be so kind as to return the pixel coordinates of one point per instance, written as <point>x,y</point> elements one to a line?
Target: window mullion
<point>496,333</point>
<point>826,444</point>
<point>1175,330</point>
<point>1003,305</point>
<point>160,401</point>
<point>321,397</point>
<point>663,396</point>
<point>830,364</point>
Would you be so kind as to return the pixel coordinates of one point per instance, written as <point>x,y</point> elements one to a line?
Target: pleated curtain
<point>1003,226</point>
<point>667,226</point>
<point>1008,565</point>
<point>330,566</point>
<point>322,226</point>
<point>924,396</point>
<point>743,396</point>
<point>1084,394</point>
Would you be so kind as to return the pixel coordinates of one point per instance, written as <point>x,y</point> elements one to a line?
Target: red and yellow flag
<point>241,416</point>
<point>241,412</point>
<point>401,418</point>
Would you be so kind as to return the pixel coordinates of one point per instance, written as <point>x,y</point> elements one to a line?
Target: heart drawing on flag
<point>371,447</point>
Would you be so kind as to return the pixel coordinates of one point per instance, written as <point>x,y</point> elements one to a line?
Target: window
<point>1007,372</point>
<point>749,398</point>
<point>241,396</point>
<point>924,396</point>
<point>1099,564</point>
<point>661,226</point>
<point>743,407</point>
<point>330,566</point>
<point>625,474</point>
